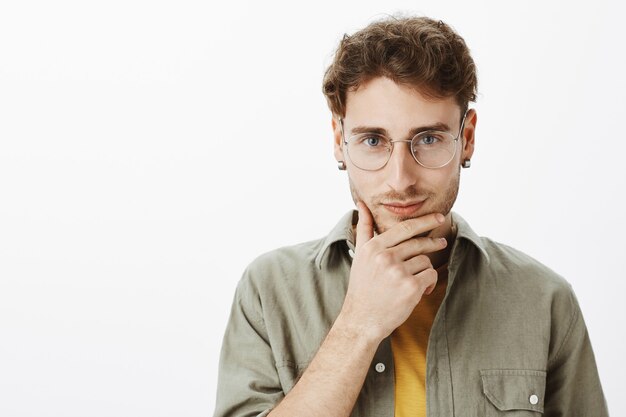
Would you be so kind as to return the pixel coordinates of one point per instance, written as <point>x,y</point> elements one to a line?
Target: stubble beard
<point>435,202</point>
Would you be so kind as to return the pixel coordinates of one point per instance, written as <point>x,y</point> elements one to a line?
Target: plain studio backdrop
<point>149,150</point>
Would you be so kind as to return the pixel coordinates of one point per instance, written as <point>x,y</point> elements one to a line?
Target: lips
<point>403,208</point>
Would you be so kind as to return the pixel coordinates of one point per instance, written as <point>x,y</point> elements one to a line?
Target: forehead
<point>382,103</point>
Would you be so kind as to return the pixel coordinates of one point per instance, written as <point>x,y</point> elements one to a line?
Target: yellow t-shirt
<point>409,344</point>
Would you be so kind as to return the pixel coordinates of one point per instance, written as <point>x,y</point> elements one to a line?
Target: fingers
<point>428,278</point>
<point>364,226</point>
<point>417,264</point>
<point>410,228</point>
<point>422,270</point>
<point>416,246</point>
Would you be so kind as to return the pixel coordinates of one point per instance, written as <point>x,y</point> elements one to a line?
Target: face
<point>403,189</point>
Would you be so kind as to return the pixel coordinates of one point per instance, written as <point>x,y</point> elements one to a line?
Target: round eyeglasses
<point>431,149</point>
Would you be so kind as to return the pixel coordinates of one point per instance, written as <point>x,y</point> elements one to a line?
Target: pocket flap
<point>514,389</point>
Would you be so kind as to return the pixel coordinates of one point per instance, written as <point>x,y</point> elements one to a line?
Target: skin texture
<point>383,103</point>
<point>393,264</point>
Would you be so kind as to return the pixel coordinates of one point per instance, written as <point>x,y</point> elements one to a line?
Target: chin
<point>384,223</point>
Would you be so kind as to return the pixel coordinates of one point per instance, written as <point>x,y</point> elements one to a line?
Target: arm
<point>332,381</point>
<point>248,383</point>
<point>388,277</point>
<point>573,385</point>
<point>389,274</point>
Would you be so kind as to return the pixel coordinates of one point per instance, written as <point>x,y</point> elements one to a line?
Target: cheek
<point>441,177</point>
<point>362,184</point>
<point>367,185</point>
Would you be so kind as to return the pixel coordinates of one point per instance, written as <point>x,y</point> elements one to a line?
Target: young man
<point>402,310</point>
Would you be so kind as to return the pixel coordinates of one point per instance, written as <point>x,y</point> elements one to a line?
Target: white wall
<point>149,150</point>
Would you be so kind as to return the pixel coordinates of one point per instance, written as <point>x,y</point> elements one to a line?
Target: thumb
<point>364,226</point>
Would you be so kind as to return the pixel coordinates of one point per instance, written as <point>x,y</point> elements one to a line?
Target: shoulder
<point>520,271</point>
<point>279,266</point>
<point>515,263</point>
<point>286,258</point>
<point>299,271</point>
<point>502,265</point>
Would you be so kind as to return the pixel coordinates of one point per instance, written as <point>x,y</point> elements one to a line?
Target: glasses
<point>431,148</point>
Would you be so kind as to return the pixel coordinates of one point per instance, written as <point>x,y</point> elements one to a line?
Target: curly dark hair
<point>416,51</point>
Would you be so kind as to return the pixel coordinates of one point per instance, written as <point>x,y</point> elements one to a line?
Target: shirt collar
<point>343,232</point>
<point>464,231</point>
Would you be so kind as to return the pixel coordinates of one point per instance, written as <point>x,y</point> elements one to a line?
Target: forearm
<point>388,277</point>
<point>333,380</point>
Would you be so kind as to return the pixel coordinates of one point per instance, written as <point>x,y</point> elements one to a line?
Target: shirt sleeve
<point>573,386</point>
<point>248,384</point>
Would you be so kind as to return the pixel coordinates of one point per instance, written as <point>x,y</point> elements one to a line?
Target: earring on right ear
<point>341,165</point>
<point>467,163</point>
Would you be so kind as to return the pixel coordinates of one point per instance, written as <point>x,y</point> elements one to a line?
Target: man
<point>402,310</point>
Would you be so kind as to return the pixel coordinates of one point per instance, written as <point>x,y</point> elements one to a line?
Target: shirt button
<point>533,399</point>
<point>380,367</point>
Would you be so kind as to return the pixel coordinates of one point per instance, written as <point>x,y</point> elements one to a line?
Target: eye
<point>429,140</point>
<point>372,141</point>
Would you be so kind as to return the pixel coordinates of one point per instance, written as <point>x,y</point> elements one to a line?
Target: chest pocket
<point>513,392</point>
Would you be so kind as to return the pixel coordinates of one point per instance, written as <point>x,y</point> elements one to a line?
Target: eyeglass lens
<point>431,149</point>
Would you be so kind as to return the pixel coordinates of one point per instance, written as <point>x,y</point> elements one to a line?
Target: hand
<point>390,273</point>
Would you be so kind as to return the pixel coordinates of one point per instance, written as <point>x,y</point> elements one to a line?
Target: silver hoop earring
<point>341,165</point>
<point>467,163</point>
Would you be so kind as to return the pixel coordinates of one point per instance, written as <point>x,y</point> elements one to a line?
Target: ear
<point>469,130</point>
<point>338,141</point>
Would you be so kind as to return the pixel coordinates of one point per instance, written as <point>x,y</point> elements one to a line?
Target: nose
<point>402,169</point>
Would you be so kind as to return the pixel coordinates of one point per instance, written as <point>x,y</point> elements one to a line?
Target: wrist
<point>357,331</point>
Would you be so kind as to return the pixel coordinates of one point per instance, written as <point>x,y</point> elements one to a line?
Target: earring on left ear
<point>467,163</point>
<point>341,165</point>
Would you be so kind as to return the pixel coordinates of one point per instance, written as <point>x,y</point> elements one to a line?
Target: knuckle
<point>396,270</point>
<point>435,242</point>
<point>428,277</point>
<point>413,289</point>
<point>369,248</point>
<point>418,244</point>
<point>369,245</point>
<point>405,226</point>
<point>424,261</point>
<point>384,258</point>
<point>433,275</point>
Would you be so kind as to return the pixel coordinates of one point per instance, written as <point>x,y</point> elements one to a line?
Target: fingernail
<point>443,241</point>
<point>440,217</point>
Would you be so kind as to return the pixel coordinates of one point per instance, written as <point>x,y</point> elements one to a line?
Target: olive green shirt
<point>508,340</point>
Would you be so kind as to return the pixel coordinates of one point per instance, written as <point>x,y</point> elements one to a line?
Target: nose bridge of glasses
<point>430,149</point>
<point>408,149</point>
<point>402,167</point>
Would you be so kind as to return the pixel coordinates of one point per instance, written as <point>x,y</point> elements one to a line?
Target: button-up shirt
<point>508,339</point>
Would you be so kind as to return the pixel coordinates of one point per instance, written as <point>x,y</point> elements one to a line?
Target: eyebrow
<point>381,131</point>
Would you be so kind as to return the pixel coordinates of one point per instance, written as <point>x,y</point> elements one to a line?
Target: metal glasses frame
<point>410,141</point>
